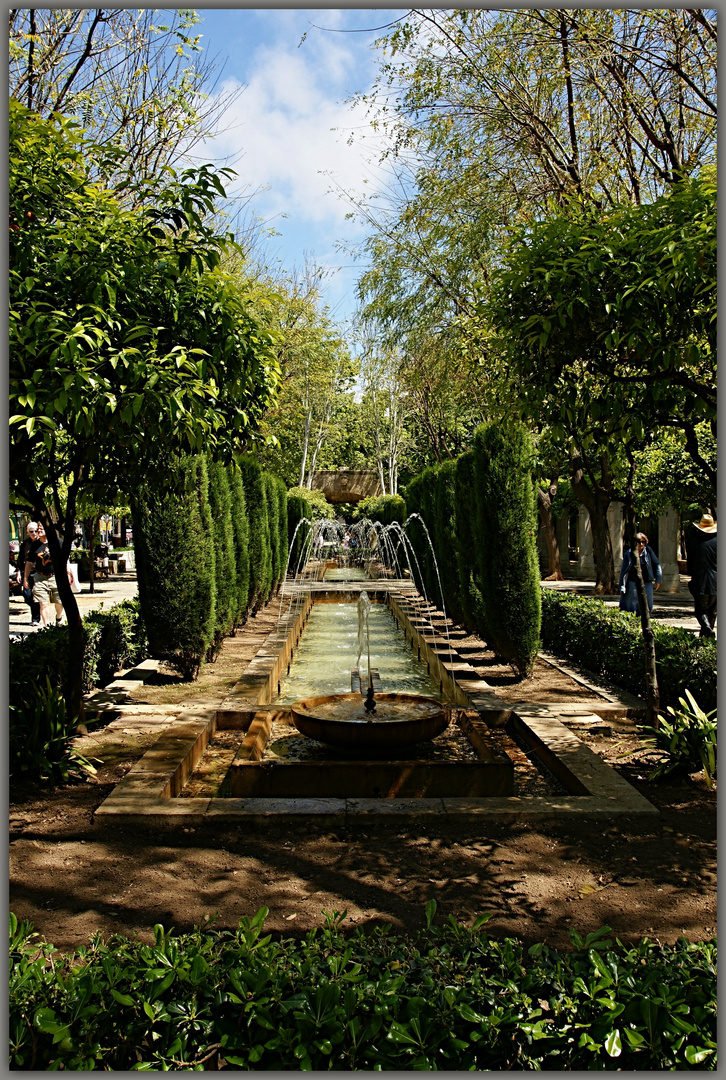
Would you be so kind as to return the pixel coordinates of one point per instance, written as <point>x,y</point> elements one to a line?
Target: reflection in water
<point>328,651</point>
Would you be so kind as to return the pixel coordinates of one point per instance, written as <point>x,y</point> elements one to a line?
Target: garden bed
<point>654,877</point>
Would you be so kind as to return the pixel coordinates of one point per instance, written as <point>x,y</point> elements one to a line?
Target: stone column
<point>585,561</point>
<point>668,528</point>
<point>616,524</point>
<point>563,540</point>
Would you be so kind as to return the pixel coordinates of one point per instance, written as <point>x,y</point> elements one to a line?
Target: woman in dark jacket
<point>652,574</point>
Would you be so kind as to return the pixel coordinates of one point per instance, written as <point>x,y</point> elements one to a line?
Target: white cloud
<point>291,125</point>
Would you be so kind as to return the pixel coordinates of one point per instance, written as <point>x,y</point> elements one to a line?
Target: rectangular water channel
<point>274,760</point>
<point>465,773</point>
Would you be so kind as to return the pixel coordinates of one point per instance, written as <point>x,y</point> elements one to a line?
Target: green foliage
<point>687,740</point>
<point>447,998</point>
<point>383,508</point>
<point>175,565</point>
<point>276,495</point>
<point>259,541</point>
<point>465,533</point>
<point>114,639</point>
<point>127,343</point>
<point>505,548</point>
<point>281,508</point>
<point>432,495</point>
<point>610,643</point>
<point>40,734</point>
<point>125,335</point>
<point>666,474</point>
<point>318,504</point>
<point>623,300</point>
<point>419,501</point>
<point>241,544</point>
<point>225,570</point>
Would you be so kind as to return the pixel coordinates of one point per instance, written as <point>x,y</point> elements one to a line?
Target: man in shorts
<point>45,589</point>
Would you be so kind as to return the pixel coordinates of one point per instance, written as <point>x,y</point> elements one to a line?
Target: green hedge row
<point>304,505</point>
<point>610,643</point>
<point>480,514</point>
<point>115,639</point>
<point>447,998</point>
<point>382,508</point>
<point>211,548</point>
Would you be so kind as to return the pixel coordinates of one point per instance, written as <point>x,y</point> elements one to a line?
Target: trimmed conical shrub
<point>175,556</point>
<point>259,538</point>
<point>445,539</point>
<point>240,538</point>
<point>466,542</point>
<point>506,550</point>
<point>220,502</point>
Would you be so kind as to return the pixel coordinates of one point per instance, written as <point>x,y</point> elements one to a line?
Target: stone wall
<point>346,485</point>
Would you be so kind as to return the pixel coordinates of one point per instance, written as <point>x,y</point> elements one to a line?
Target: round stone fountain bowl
<point>341,720</point>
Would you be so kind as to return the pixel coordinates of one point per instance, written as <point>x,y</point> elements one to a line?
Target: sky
<point>288,133</point>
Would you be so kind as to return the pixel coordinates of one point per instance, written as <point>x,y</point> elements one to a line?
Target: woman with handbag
<point>650,568</point>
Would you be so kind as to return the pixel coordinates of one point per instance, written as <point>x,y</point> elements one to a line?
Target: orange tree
<point>608,323</point>
<point>127,341</point>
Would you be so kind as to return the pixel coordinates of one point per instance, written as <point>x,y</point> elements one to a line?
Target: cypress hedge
<point>276,495</point>
<point>273,521</point>
<point>470,597</point>
<point>259,535</point>
<point>445,539</point>
<point>281,494</point>
<point>298,510</point>
<point>419,501</point>
<point>173,538</point>
<point>506,550</point>
<point>240,542</point>
<point>220,501</point>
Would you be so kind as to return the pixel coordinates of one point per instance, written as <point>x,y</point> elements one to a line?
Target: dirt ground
<point>654,878</point>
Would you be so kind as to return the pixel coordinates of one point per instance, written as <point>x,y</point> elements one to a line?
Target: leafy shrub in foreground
<point>610,643</point>
<point>446,998</point>
<point>40,737</point>
<point>687,740</point>
<point>115,639</point>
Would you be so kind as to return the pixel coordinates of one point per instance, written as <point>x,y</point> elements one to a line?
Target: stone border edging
<point>147,794</point>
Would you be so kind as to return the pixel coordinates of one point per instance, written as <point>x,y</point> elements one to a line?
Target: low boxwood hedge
<point>446,998</point>
<point>610,643</point>
<point>115,639</point>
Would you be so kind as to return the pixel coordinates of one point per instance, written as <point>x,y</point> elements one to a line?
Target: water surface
<point>329,650</point>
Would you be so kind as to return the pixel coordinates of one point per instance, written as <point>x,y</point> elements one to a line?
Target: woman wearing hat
<point>701,565</point>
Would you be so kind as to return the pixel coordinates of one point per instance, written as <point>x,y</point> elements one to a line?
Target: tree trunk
<point>73,690</point>
<point>306,441</point>
<point>544,504</point>
<point>652,696</point>
<point>597,503</point>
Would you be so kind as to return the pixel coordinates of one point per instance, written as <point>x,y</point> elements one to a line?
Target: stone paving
<point>106,593</point>
<point>673,609</point>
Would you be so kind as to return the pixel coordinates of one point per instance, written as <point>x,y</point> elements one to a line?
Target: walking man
<point>701,565</point>
<point>23,556</point>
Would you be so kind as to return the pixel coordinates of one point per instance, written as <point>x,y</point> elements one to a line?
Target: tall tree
<point>137,80</point>
<point>317,374</point>
<point>127,343</point>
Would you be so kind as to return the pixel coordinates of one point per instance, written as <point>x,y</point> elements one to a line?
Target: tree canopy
<point>137,80</point>
<point>609,320</point>
<point>128,343</point>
